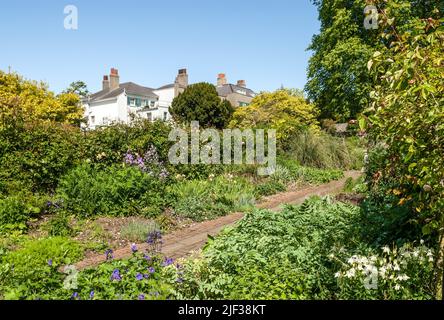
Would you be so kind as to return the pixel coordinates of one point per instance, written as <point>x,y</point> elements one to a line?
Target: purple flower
<point>141,297</point>
<point>146,276</point>
<point>75,295</point>
<point>139,277</point>
<point>179,280</point>
<point>50,262</point>
<point>91,295</point>
<point>109,254</point>
<point>116,275</point>
<point>151,270</point>
<point>147,258</point>
<point>134,248</point>
<point>167,262</point>
<point>129,158</point>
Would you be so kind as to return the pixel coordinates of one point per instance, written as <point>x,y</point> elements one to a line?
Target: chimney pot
<point>105,83</point>
<point>221,79</point>
<point>242,83</point>
<point>114,79</point>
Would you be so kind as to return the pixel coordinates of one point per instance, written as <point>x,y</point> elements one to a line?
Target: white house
<point>118,102</point>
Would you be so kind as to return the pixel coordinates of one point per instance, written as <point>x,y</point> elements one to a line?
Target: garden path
<point>183,241</point>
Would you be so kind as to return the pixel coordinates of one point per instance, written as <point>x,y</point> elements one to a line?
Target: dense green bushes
<point>31,270</point>
<point>115,190</point>
<point>18,209</point>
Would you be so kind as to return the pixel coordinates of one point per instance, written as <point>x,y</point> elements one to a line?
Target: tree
<point>338,80</point>
<point>79,87</point>
<point>200,102</point>
<point>282,110</point>
<point>30,100</point>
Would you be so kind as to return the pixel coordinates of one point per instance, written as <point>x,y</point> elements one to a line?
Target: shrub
<point>16,210</point>
<point>115,191</point>
<point>37,155</point>
<point>280,110</point>
<point>406,273</point>
<point>23,270</point>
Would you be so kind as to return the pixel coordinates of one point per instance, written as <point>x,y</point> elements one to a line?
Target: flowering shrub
<point>405,273</point>
<point>149,163</point>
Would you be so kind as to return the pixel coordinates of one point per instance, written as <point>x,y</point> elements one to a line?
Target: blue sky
<point>263,42</point>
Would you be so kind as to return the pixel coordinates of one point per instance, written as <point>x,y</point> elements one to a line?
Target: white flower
<point>397,287</point>
<point>351,273</point>
<point>415,253</point>
<point>421,242</point>
<point>396,267</point>
<point>338,275</point>
<point>386,249</point>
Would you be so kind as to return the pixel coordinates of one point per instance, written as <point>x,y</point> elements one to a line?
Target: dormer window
<point>132,102</point>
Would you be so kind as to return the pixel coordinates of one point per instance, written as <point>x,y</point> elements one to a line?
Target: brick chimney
<point>105,83</point>
<point>182,78</point>
<point>114,79</point>
<point>242,83</point>
<point>221,79</point>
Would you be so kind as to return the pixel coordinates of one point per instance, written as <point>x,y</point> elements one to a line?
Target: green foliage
<point>115,190</point>
<point>269,188</point>
<point>18,209</point>
<point>325,151</point>
<point>404,273</point>
<point>200,102</point>
<point>35,155</point>
<point>125,286</point>
<point>23,100</point>
<point>294,243</point>
<point>407,114</point>
<point>59,225</point>
<point>280,110</point>
<point>307,174</point>
<point>79,88</point>
<point>23,270</point>
<point>338,81</point>
<point>206,199</point>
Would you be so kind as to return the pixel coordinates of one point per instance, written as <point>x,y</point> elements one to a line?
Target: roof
<point>227,89</point>
<point>167,86</point>
<point>129,87</point>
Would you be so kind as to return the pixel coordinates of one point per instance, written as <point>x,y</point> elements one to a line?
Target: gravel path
<point>181,242</point>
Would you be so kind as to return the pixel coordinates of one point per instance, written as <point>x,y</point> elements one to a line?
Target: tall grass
<point>321,150</point>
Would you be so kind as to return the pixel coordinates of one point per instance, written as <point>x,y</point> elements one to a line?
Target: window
<point>243,104</point>
<point>152,104</point>
<point>93,120</point>
<point>165,116</point>
<point>132,102</point>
